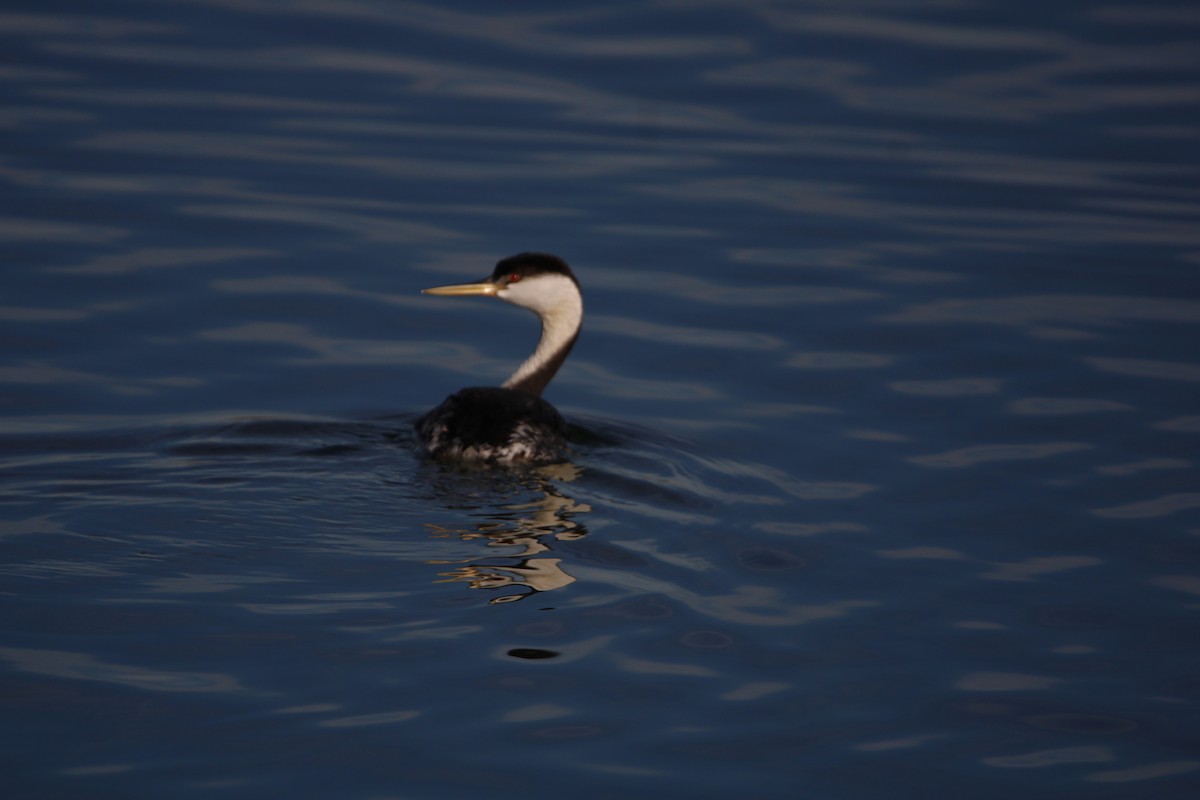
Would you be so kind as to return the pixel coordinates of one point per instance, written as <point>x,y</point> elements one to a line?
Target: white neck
<point>556,300</point>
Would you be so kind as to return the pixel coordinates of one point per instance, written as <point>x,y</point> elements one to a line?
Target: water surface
<point>885,412</point>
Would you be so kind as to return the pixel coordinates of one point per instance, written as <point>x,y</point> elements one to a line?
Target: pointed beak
<point>461,289</point>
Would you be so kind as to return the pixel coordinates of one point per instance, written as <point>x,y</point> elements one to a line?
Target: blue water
<point>885,414</point>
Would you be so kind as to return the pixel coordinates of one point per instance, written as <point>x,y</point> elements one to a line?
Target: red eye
<point>514,278</point>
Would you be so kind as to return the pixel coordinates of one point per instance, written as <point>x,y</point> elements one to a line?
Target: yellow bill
<point>459,289</point>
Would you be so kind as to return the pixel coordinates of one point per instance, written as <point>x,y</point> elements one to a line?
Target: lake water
<point>886,411</point>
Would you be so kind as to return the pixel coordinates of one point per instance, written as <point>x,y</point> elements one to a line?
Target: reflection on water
<point>80,666</point>
<point>528,530</point>
<point>884,461</point>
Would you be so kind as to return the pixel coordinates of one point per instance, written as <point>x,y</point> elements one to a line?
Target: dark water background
<point>885,477</point>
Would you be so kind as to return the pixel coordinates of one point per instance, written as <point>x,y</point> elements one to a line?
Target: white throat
<point>557,302</point>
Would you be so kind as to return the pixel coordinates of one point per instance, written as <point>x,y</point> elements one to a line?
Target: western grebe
<point>512,423</point>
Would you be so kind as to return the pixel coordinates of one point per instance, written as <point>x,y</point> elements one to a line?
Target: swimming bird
<point>512,423</point>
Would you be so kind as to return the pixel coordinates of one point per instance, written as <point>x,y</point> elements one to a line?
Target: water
<point>885,412</point>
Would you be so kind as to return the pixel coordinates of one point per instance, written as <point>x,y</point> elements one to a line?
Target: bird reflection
<point>531,526</point>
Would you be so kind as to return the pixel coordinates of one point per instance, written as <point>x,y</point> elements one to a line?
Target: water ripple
<point>81,666</point>
<point>982,454</point>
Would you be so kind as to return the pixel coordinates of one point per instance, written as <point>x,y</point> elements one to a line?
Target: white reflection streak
<point>189,583</point>
<point>676,334</point>
<point>29,314</point>
<point>368,228</point>
<point>922,34</point>
<point>537,712</point>
<point>831,361</point>
<point>755,690</point>
<point>310,284</point>
<point>40,373</point>
<point>643,666</point>
<point>163,257</point>
<point>24,229</point>
<point>85,27</point>
<point>1180,583</point>
<point>949,387</point>
<point>676,478</point>
<point>1064,405</point>
<point>1053,309</point>
<point>897,744</point>
<point>1145,772</point>
<point>788,528</point>
<point>1144,368</point>
<point>746,605</point>
<point>378,718</point>
<point>310,608</point>
<point>1051,758</point>
<point>331,350</point>
<point>973,227</point>
<point>67,423</point>
<point>606,382</point>
<point>684,560</point>
<point>1004,682</point>
<point>691,287</point>
<point>1134,467</point>
<point>531,33</point>
<point>324,152</point>
<point>982,454</point>
<point>1033,567</point>
<point>232,192</point>
<point>34,525</point>
<point>80,666</point>
<point>870,259</point>
<point>184,98</point>
<point>1150,509</point>
<point>796,487</point>
<point>1188,424</point>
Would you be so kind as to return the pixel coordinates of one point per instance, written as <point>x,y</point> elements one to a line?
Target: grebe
<point>512,423</point>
